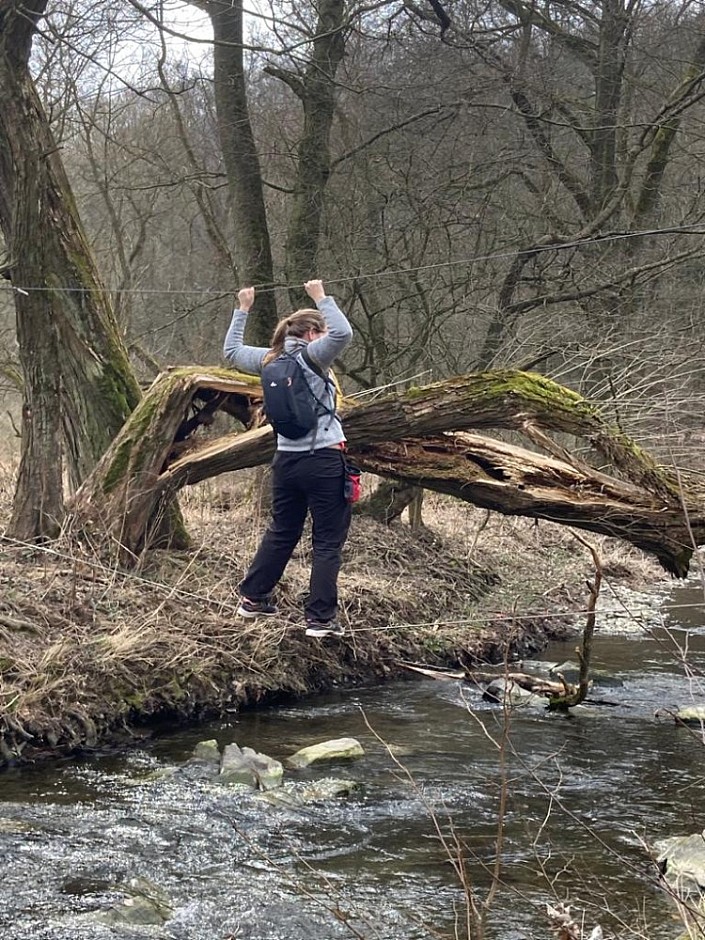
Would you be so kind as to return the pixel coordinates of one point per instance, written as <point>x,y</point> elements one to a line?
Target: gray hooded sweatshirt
<point>323,351</point>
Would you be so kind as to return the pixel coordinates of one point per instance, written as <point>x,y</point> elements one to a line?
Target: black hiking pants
<point>303,482</point>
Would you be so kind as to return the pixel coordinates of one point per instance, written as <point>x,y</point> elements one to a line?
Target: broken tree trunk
<point>125,498</point>
<point>406,438</point>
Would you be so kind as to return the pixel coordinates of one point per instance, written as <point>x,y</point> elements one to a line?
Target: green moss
<point>228,375</point>
<point>528,385</point>
<point>118,467</point>
<point>434,645</point>
<point>114,393</point>
<point>179,537</point>
<point>135,700</point>
<point>176,690</point>
<point>416,391</point>
<point>144,418</point>
<point>117,385</point>
<point>134,431</point>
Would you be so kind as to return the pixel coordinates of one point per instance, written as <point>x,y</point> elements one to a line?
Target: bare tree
<point>79,387</point>
<point>253,254</point>
<point>314,84</point>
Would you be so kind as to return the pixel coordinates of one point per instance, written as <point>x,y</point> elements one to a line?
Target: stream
<point>586,794</point>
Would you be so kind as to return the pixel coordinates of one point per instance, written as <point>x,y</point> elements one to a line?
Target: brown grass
<point>89,652</point>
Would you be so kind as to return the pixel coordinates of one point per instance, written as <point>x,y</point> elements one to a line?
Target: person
<point>308,474</point>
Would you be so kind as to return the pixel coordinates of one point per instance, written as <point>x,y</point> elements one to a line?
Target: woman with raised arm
<point>308,473</point>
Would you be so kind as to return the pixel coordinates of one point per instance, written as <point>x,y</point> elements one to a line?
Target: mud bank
<point>92,656</point>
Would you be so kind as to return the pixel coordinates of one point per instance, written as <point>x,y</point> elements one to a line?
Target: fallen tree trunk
<point>406,438</point>
<point>518,482</point>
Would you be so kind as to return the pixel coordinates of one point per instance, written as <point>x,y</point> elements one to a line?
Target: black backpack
<point>290,405</point>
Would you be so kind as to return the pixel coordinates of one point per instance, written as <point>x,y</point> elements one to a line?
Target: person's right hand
<point>315,291</point>
<point>246,297</point>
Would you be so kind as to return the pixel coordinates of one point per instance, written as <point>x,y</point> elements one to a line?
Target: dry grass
<point>88,651</point>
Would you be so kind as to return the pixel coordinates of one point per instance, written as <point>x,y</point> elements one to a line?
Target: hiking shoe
<point>324,628</point>
<point>252,609</point>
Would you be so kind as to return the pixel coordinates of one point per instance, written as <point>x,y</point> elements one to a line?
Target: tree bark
<point>79,387</point>
<point>317,94</point>
<point>253,253</point>
<point>126,498</point>
<point>404,438</point>
<point>389,501</point>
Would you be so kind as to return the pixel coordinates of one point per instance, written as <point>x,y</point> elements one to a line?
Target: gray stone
<point>510,693</point>
<point>235,767</point>
<point>682,862</point>
<point>329,788</point>
<point>145,904</point>
<point>692,715</point>
<point>207,751</point>
<point>294,795</point>
<point>268,772</point>
<point>336,749</point>
<point>12,825</point>
<point>571,673</point>
<point>248,767</point>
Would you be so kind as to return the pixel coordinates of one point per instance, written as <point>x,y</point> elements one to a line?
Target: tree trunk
<point>253,252</point>
<point>78,383</point>
<point>416,510</point>
<point>609,70</point>
<point>317,93</point>
<point>403,438</point>
<point>127,496</point>
<point>388,501</point>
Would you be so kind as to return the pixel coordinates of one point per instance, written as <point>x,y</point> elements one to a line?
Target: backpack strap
<point>330,387</point>
<point>306,356</point>
<point>330,384</point>
<point>329,377</point>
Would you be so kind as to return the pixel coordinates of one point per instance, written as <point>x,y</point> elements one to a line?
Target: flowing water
<point>586,795</point>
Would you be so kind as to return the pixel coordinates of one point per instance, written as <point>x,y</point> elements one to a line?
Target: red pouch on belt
<point>352,483</point>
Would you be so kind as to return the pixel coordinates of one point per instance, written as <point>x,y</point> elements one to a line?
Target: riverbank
<point>92,656</point>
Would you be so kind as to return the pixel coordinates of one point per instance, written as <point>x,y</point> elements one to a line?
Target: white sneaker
<point>251,609</point>
<point>324,628</point>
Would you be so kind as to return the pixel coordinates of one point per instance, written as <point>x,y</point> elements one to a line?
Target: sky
<point>187,19</point>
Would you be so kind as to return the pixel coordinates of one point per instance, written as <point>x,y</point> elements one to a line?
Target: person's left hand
<point>246,297</point>
<point>315,290</point>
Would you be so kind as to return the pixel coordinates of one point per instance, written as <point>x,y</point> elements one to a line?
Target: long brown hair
<point>296,325</point>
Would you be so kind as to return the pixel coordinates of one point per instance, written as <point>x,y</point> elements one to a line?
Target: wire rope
<point>694,229</point>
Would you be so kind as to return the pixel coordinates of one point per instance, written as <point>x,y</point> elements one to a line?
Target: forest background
<point>480,185</point>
